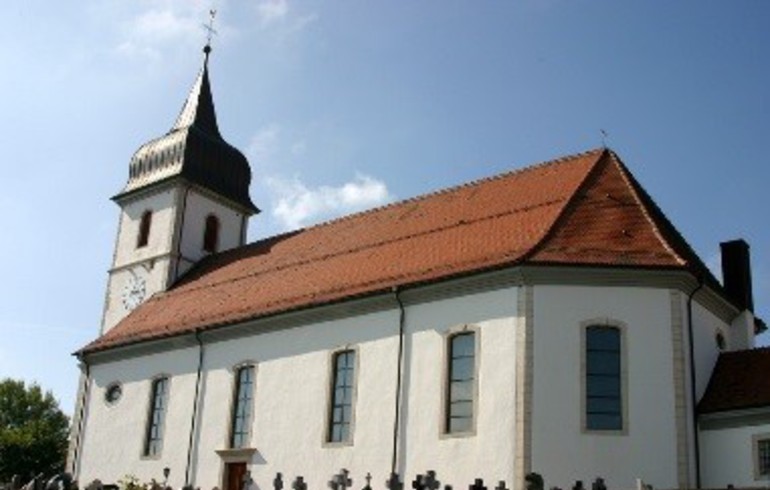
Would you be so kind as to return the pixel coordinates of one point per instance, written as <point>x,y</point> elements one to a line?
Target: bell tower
<point>187,196</point>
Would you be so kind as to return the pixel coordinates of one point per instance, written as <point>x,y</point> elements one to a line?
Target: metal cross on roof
<point>210,31</point>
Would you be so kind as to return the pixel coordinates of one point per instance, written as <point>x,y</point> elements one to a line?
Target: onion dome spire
<point>193,151</point>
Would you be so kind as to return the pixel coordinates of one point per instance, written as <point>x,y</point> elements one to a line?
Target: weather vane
<point>210,31</point>
<point>605,135</point>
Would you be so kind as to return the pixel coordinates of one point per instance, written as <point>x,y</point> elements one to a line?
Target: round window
<point>112,395</point>
<point>721,342</point>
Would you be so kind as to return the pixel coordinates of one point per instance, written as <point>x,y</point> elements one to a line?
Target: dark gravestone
<point>478,484</point>
<point>394,482</point>
<point>341,481</point>
<point>278,482</point>
<point>418,483</point>
<point>430,481</point>
<point>598,484</point>
<point>501,485</point>
<point>368,479</point>
<point>533,481</point>
<point>299,484</point>
<point>578,485</point>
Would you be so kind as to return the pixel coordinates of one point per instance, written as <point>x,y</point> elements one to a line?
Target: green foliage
<point>33,431</point>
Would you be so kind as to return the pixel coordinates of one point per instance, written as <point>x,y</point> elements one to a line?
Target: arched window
<point>144,229</point>
<point>341,403</point>
<point>241,415</point>
<point>153,439</point>
<point>603,381</point>
<point>460,383</point>
<point>211,234</point>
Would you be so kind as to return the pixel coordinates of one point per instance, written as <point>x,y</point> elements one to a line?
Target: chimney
<point>736,273</point>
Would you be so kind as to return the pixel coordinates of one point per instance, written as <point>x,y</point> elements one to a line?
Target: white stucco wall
<point>489,454</point>
<point>154,274</point>
<point>113,441</point>
<point>705,327</point>
<point>727,457</point>
<point>293,375</point>
<point>162,205</point>
<point>561,451</point>
<point>291,399</point>
<point>197,208</point>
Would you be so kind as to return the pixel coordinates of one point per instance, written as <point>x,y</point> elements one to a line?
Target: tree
<point>33,431</point>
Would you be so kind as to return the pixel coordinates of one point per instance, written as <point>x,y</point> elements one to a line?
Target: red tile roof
<point>739,381</point>
<point>584,209</point>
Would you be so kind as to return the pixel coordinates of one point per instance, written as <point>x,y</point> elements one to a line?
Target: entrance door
<point>234,474</point>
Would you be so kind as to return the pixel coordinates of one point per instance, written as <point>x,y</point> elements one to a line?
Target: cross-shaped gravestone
<point>278,482</point>
<point>394,483</point>
<point>299,484</point>
<point>430,481</point>
<point>341,481</point>
<point>501,485</point>
<point>368,479</point>
<point>418,483</point>
<point>478,484</point>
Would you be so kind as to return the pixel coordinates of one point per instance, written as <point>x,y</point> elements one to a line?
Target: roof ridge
<point>367,246</point>
<point>645,211</point>
<point>455,188</point>
<point>663,225</point>
<point>568,203</point>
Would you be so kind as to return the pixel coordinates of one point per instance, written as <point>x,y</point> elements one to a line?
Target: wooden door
<point>234,474</point>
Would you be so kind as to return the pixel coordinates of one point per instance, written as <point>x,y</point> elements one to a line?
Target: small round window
<point>720,340</point>
<point>112,395</point>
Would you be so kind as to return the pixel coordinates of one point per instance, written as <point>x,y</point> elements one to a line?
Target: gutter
<point>690,342</point>
<point>399,376</point>
<point>194,416</point>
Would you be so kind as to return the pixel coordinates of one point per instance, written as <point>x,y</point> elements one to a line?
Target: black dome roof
<point>195,151</point>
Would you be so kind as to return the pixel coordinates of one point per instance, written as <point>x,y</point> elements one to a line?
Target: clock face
<point>134,292</point>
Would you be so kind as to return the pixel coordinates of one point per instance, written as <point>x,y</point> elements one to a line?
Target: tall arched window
<point>241,416</point>
<point>341,403</point>
<point>144,229</point>
<point>153,439</point>
<point>603,378</point>
<point>211,234</point>
<point>460,383</point>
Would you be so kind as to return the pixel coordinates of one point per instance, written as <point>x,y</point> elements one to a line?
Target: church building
<point>550,319</point>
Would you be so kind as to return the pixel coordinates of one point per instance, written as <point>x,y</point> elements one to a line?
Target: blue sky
<point>344,105</point>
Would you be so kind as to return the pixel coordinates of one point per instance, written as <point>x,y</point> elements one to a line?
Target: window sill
<point>337,444</point>
<point>605,432</point>
<point>457,435</point>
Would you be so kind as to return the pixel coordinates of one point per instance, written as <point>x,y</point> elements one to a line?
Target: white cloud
<point>270,11</point>
<point>278,13</point>
<point>163,25</point>
<point>296,205</point>
<point>264,144</point>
